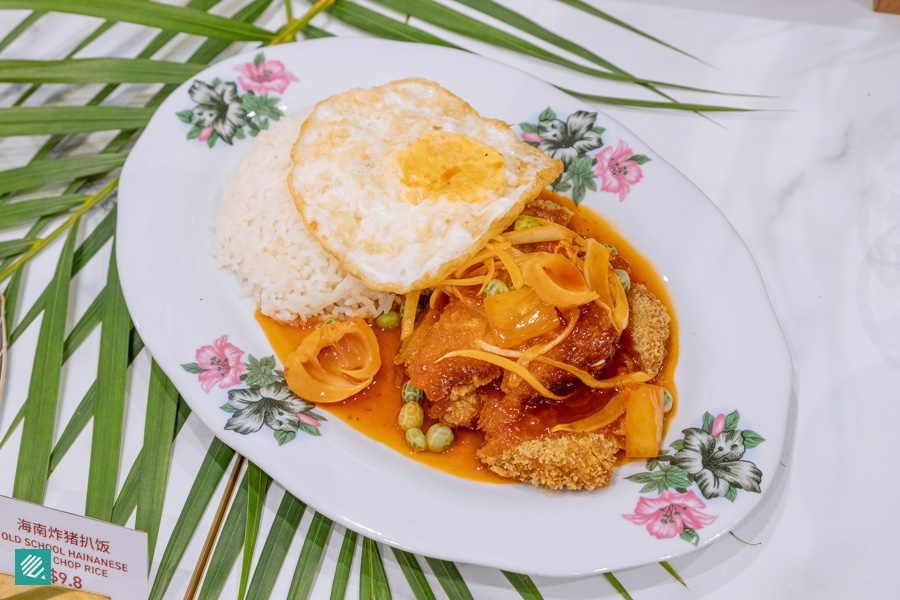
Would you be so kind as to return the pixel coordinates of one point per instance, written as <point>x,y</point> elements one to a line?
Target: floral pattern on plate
<point>710,456</point>
<point>266,400</point>
<point>572,141</point>
<point>221,113</point>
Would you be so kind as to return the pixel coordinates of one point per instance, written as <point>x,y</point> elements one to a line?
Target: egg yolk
<point>450,165</point>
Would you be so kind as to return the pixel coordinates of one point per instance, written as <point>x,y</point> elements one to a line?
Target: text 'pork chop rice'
<point>261,237</point>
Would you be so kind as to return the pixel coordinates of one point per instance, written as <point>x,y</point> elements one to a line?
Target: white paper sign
<point>87,554</point>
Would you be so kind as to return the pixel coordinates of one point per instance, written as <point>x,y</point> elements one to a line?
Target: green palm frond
<point>51,199</point>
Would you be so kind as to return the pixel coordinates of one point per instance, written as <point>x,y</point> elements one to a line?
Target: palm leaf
<point>96,240</point>
<point>344,562</point>
<point>281,533</point>
<point>162,408</point>
<point>258,483</point>
<point>128,495</point>
<point>375,23</point>
<point>21,28</point>
<point>109,410</point>
<point>143,12</point>
<point>665,565</point>
<point>96,70</point>
<point>12,288</point>
<point>446,18</point>
<point>617,586</point>
<point>208,478</point>
<point>85,410</point>
<point>61,169</point>
<point>228,546</point>
<point>70,119</point>
<point>414,575</point>
<point>524,585</point>
<point>310,557</point>
<point>12,215</point>
<point>373,583</point>
<point>40,406</point>
<point>608,17</point>
<point>448,576</point>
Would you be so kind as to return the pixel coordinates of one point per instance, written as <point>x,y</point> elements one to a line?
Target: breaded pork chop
<point>648,325</point>
<point>558,460</point>
<point>570,460</point>
<point>450,384</point>
<point>591,343</point>
<point>566,459</point>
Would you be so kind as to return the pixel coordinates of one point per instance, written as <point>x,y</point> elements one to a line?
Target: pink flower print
<point>616,169</point>
<point>718,425</point>
<point>308,420</point>
<point>221,364</point>
<point>267,76</point>
<point>531,137</point>
<point>670,514</point>
<point>205,133</point>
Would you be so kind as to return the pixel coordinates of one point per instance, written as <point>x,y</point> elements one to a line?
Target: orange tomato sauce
<point>374,411</point>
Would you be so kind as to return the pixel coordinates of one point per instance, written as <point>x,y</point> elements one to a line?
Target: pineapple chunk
<point>644,421</point>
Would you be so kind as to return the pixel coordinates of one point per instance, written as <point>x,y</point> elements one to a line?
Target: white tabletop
<point>813,187</point>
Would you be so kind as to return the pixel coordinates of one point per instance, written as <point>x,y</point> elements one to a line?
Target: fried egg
<point>404,182</point>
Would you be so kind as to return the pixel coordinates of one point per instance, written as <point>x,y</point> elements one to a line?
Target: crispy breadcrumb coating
<point>648,324</point>
<point>573,461</point>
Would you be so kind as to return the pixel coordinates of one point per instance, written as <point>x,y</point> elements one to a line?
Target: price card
<point>42,546</point>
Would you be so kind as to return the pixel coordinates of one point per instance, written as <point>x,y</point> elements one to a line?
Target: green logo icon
<point>32,566</point>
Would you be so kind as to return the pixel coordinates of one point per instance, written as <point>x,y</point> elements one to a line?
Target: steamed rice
<point>261,237</point>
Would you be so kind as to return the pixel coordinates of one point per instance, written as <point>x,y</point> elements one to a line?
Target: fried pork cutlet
<point>547,209</point>
<point>532,454</point>
<point>450,384</point>
<point>566,459</point>
<point>648,325</point>
<point>571,460</point>
<point>591,343</point>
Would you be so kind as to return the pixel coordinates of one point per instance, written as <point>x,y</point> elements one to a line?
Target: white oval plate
<point>733,375</point>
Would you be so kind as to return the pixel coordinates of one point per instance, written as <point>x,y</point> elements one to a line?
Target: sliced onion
<point>515,274</point>
<point>491,269</point>
<point>409,313</point>
<point>519,315</point>
<point>432,302</point>
<point>556,280</point>
<point>596,269</point>
<point>550,232</point>
<point>600,277</point>
<point>505,363</point>
<point>528,355</point>
<point>614,409</point>
<point>620,309</point>
<point>497,350</point>
<point>591,381</point>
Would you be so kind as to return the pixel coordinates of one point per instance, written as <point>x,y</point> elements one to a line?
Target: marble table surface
<point>811,183</point>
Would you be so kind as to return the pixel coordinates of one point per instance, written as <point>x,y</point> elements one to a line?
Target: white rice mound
<point>261,236</point>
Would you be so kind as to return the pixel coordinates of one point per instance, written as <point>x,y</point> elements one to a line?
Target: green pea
<point>388,320</point>
<point>411,416</point>
<point>439,437</point>
<point>411,393</point>
<point>526,223</point>
<point>612,249</point>
<point>495,286</point>
<point>624,279</point>
<point>668,400</point>
<point>415,439</point>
